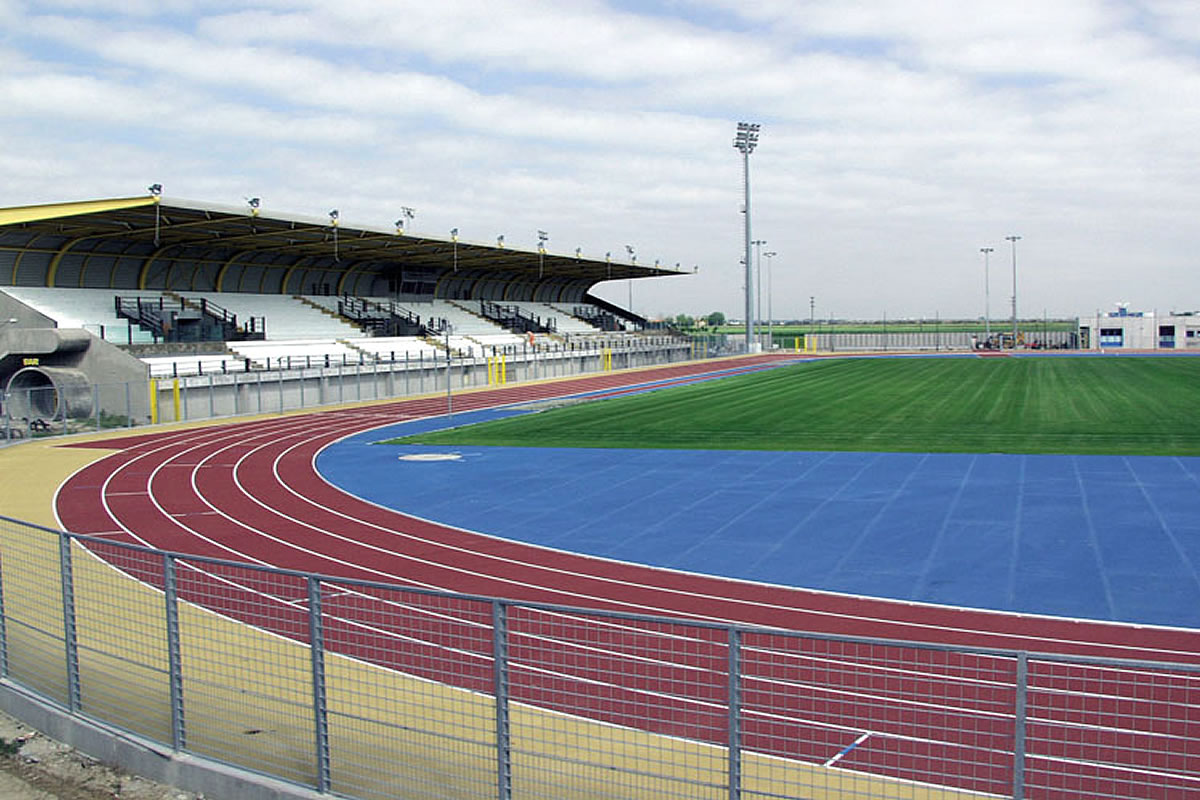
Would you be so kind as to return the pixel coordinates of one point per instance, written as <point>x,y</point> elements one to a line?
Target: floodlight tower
<point>987,294</point>
<point>745,142</point>
<point>1014,239</point>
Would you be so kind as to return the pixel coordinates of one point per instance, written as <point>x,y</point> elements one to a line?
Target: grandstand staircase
<point>513,318</point>
<point>175,318</point>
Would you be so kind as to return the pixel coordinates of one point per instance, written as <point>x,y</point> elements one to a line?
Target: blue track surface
<point>1098,537</point>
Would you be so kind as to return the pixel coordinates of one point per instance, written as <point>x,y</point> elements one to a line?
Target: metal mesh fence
<point>375,691</point>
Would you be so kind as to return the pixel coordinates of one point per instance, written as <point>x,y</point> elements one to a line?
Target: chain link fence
<point>368,690</point>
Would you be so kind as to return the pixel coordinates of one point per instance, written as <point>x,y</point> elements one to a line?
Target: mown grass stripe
<point>1012,405</point>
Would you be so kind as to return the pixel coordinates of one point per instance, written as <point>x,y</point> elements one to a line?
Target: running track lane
<point>249,492</point>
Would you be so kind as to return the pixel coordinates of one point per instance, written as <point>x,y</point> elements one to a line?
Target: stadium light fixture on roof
<point>500,240</point>
<point>406,213</point>
<point>454,240</point>
<point>254,203</point>
<point>333,223</point>
<point>155,190</point>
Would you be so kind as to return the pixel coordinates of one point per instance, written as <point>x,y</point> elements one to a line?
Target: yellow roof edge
<point>19,214</point>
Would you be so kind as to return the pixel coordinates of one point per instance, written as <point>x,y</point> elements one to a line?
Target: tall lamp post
<point>745,142</point>
<point>758,281</point>
<point>542,237</point>
<point>632,260</point>
<point>770,316</point>
<point>1014,239</point>
<point>987,296</point>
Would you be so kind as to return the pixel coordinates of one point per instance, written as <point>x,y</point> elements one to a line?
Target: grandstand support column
<point>745,142</point>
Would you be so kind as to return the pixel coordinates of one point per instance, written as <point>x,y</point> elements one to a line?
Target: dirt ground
<point>42,769</point>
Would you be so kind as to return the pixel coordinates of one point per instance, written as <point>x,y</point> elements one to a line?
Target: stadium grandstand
<point>132,289</point>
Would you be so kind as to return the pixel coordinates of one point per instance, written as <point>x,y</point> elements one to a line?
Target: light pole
<point>1014,238</point>
<point>987,297</point>
<point>770,316</point>
<point>632,260</point>
<point>454,239</point>
<point>407,213</point>
<point>745,142</point>
<point>542,237</point>
<point>758,282</point>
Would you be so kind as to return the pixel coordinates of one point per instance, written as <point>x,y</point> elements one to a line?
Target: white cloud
<point>898,136</point>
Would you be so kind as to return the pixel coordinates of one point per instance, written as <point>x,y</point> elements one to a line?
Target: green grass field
<point>976,405</point>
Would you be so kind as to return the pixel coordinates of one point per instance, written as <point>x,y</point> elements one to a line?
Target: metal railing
<point>370,690</point>
<point>297,384</point>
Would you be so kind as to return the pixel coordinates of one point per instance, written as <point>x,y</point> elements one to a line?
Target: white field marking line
<point>892,622</point>
<point>468,653</point>
<point>845,751</point>
<point>221,450</point>
<point>841,662</point>
<point>167,440</point>
<point>262,534</point>
<point>1109,696</point>
<point>623,655</point>
<point>670,636</point>
<point>845,728</point>
<point>816,689</point>
<point>1110,672</point>
<point>684,594</point>
<point>407,638</point>
<point>242,489</point>
<point>1089,726</point>
<point>1169,775</point>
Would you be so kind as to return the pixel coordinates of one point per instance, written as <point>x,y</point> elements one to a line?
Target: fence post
<point>500,680</point>
<point>735,714</point>
<point>174,660</point>
<point>316,638</point>
<point>71,647</point>
<point>3,629</point>
<point>1019,718</point>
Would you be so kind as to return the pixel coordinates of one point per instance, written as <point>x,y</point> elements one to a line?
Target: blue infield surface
<point>1098,537</point>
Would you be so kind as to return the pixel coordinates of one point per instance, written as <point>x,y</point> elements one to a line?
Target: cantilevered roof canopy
<point>158,229</point>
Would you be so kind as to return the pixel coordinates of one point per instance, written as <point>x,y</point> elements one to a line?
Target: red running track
<point>249,492</point>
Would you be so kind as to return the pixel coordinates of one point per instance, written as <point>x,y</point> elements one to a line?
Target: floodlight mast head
<point>747,137</point>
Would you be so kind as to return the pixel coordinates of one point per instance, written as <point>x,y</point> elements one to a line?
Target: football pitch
<point>1052,404</point>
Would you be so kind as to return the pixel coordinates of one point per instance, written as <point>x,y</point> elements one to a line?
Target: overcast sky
<point>898,136</point>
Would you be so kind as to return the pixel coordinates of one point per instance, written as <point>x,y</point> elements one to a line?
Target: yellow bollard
<point>175,398</point>
<point>153,401</point>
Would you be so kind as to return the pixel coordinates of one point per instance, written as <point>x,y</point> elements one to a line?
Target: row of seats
<point>90,309</point>
<point>298,331</point>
